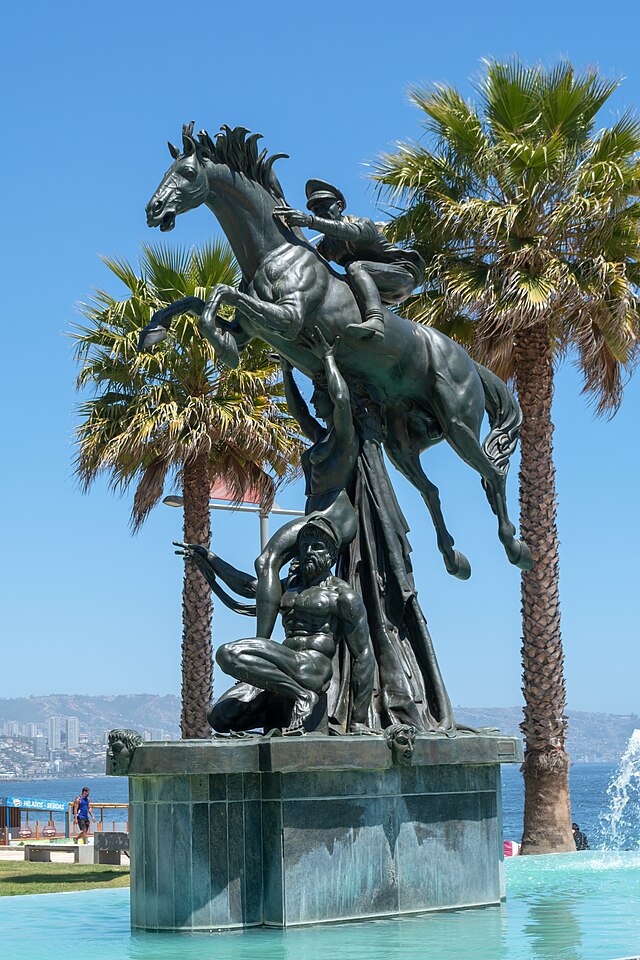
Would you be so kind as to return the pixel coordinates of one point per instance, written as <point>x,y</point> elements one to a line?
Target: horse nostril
<point>157,207</point>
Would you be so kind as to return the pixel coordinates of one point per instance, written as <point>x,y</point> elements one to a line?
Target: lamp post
<point>174,501</point>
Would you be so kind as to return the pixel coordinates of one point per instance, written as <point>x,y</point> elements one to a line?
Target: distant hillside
<point>592,736</point>
<point>96,714</point>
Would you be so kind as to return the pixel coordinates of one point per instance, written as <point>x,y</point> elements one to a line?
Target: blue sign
<point>25,803</point>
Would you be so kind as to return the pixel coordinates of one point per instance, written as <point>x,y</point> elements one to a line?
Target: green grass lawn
<point>17,877</point>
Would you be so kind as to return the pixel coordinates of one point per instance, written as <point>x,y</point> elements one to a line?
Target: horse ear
<point>189,144</point>
<point>173,150</point>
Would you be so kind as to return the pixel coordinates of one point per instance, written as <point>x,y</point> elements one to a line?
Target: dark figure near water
<point>579,838</point>
<point>318,611</point>
<point>377,271</point>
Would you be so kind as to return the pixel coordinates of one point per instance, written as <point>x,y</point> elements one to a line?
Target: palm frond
<point>525,214</point>
<point>148,414</point>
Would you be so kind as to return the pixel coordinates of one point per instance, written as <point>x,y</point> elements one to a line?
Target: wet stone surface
<point>266,841</point>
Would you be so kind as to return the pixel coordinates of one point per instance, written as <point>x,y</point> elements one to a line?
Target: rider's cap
<point>317,190</point>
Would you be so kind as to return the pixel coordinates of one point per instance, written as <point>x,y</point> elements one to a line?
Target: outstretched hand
<point>292,217</point>
<point>316,341</point>
<point>192,552</point>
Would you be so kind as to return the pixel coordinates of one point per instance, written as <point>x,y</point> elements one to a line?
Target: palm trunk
<point>197,608</point>
<point>547,813</point>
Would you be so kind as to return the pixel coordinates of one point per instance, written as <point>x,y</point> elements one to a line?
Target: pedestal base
<point>287,831</point>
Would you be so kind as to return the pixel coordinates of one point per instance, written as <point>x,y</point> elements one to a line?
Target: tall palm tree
<point>527,216</point>
<point>176,416</point>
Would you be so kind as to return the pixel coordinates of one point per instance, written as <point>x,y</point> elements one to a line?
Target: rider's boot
<point>368,299</point>
<point>372,327</point>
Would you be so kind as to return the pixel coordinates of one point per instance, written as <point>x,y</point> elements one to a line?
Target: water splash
<point>620,824</point>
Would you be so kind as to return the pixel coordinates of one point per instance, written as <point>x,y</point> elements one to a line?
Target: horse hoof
<point>522,557</point>
<point>149,337</point>
<point>461,568</point>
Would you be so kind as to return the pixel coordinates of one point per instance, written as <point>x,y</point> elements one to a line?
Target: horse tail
<point>505,418</point>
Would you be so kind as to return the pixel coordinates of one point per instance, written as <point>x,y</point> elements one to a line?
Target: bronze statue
<point>407,390</point>
<point>427,387</point>
<point>319,611</point>
<point>377,271</point>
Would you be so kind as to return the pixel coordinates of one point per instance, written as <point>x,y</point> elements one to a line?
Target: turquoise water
<point>582,906</point>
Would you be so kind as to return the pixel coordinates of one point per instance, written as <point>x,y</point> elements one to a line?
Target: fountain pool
<point>582,906</point>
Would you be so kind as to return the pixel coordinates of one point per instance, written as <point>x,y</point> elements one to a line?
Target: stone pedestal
<point>296,830</point>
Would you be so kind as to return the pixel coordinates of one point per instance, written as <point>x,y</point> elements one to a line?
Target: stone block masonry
<point>289,831</point>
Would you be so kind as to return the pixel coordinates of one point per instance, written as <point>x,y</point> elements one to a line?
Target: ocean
<point>588,781</point>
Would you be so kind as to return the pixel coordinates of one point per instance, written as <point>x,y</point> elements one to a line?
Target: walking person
<point>81,813</point>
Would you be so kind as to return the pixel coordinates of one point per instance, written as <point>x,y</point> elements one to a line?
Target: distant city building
<point>12,729</point>
<point>40,748</point>
<point>157,734</point>
<point>54,733</point>
<point>30,730</point>
<point>73,733</point>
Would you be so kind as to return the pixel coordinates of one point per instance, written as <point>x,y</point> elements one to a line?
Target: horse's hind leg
<point>467,445</point>
<point>406,459</point>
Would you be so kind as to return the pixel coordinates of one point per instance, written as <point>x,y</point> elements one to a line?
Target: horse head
<point>206,170</point>
<point>184,186</point>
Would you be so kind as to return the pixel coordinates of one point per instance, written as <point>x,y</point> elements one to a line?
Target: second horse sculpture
<point>426,387</point>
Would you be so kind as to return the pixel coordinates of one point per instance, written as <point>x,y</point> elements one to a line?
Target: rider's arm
<point>76,804</point>
<point>298,408</point>
<point>358,229</point>
<point>353,615</point>
<point>90,808</point>
<point>339,394</point>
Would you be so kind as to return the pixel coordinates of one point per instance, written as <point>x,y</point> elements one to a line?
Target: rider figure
<point>377,271</point>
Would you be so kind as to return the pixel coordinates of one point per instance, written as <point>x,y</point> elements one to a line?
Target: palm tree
<point>175,415</point>
<point>527,216</point>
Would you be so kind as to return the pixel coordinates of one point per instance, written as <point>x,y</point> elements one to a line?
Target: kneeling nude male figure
<point>318,611</point>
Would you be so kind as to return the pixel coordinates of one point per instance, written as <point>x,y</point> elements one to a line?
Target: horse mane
<point>238,149</point>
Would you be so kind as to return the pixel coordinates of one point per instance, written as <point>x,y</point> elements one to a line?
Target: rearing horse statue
<point>425,386</point>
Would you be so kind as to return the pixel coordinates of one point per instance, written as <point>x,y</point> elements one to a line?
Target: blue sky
<point>92,95</point>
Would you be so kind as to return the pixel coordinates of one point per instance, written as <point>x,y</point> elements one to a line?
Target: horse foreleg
<point>467,445</point>
<point>160,324</point>
<point>284,317</point>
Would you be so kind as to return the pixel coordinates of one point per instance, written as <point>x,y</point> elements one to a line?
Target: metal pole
<point>264,529</point>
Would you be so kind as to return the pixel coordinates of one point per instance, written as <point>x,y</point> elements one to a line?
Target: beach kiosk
<point>15,816</point>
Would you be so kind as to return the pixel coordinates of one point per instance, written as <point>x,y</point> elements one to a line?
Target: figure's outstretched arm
<point>336,384</point>
<point>297,406</point>
<point>212,566</point>
<point>352,613</point>
<point>359,229</point>
<point>339,393</point>
<point>354,229</point>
